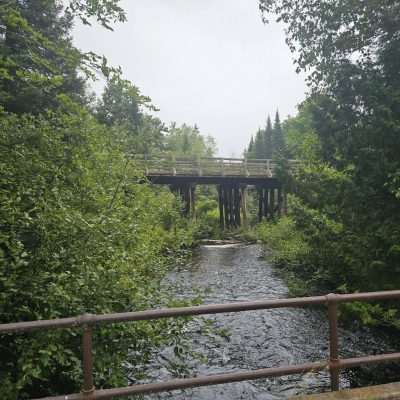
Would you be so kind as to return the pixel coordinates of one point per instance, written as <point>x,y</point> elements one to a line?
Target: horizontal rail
<point>89,319</point>
<point>219,379</point>
<point>198,381</point>
<point>334,364</point>
<point>208,166</point>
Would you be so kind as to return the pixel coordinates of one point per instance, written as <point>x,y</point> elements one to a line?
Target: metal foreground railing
<point>88,323</point>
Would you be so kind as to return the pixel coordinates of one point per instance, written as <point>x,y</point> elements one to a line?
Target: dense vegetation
<point>343,229</point>
<point>80,232</point>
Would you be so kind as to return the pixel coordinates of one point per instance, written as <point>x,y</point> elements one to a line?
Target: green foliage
<point>77,235</point>
<point>287,248</point>
<point>207,213</point>
<point>186,141</point>
<point>104,11</point>
<point>122,107</point>
<point>268,139</point>
<point>259,145</point>
<point>347,135</point>
<point>80,232</point>
<point>120,103</point>
<point>278,141</point>
<point>37,59</point>
<point>301,138</point>
<point>287,243</point>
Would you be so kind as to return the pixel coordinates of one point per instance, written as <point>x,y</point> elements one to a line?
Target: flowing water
<point>255,339</point>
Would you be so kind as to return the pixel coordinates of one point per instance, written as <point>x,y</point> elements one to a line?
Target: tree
<point>74,225</point>
<point>189,142</point>
<point>250,150</point>
<point>121,103</point>
<point>302,141</point>
<point>351,52</point>
<point>278,142</point>
<point>259,145</point>
<point>268,139</point>
<point>38,62</point>
<point>75,222</point>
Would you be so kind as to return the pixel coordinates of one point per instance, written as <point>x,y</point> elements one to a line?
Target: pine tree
<point>250,150</point>
<point>278,142</point>
<point>259,144</point>
<point>268,144</point>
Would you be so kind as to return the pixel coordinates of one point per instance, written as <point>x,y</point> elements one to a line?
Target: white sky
<point>207,62</point>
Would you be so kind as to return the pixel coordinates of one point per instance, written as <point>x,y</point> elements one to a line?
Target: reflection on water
<point>251,340</point>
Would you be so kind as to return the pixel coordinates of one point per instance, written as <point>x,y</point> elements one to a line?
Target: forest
<point>342,233</point>
<point>78,222</point>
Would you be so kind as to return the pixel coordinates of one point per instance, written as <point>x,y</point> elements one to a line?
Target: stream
<point>255,339</point>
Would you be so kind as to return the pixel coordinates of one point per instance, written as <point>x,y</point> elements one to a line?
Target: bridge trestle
<point>271,202</point>
<point>232,202</point>
<point>232,205</point>
<point>186,192</point>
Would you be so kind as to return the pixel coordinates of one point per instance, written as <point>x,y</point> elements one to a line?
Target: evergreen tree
<point>250,149</point>
<point>278,142</point>
<point>259,144</point>
<point>38,61</point>
<point>268,143</point>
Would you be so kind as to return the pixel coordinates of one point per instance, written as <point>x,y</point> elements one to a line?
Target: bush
<point>78,235</point>
<point>288,244</point>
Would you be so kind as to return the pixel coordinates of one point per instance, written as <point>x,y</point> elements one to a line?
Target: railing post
<point>199,170</point>
<point>269,172</point>
<point>87,357</point>
<point>333,341</point>
<point>246,171</point>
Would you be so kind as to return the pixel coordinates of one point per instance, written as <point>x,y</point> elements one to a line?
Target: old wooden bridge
<point>232,176</point>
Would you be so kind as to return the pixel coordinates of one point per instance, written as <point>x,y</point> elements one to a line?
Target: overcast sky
<point>207,62</point>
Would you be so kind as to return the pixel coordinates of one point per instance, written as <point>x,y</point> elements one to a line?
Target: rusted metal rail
<point>88,323</point>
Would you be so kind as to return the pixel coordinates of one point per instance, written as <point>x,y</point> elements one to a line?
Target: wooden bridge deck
<point>211,170</point>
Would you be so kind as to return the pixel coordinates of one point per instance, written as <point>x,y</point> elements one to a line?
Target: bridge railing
<point>208,166</point>
<point>89,322</point>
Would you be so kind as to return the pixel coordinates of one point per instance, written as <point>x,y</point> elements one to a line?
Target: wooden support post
<point>265,203</point>
<point>193,200</point>
<point>237,207</point>
<point>231,207</point>
<point>186,199</point>
<point>221,207</point>
<point>260,204</point>
<point>272,203</point>
<point>226,206</point>
<point>244,205</point>
<point>280,202</point>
